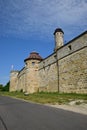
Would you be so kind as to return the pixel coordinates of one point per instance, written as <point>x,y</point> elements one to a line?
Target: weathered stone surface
<point>48,78</point>
<point>73,72</point>
<point>13,80</point>
<point>64,71</point>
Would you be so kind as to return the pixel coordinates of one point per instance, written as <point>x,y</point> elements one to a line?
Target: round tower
<point>33,60</point>
<point>32,75</point>
<point>58,34</point>
<point>13,80</point>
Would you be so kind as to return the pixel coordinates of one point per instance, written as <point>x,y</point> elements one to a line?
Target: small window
<point>70,48</point>
<point>55,56</point>
<point>33,63</point>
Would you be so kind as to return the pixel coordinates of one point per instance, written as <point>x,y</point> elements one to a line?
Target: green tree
<point>6,87</point>
<point>1,87</point>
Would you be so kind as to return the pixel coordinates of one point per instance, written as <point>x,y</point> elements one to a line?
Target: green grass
<point>48,98</point>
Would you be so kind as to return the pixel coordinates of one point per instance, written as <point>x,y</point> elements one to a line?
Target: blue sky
<point>28,25</point>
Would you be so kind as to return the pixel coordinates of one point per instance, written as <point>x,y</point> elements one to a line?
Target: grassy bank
<point>45,98</point>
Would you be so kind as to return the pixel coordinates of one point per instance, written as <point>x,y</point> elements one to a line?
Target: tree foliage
<point>1,87</point>
<point>6,87</point>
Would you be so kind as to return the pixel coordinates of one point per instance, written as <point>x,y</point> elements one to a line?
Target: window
<point>33,63</point>
<point>70,48</point>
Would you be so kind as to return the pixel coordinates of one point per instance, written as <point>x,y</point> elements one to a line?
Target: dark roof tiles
<point>58,30</point>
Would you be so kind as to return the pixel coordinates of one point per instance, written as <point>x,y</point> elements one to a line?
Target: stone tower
<point>13,80</point>
<point>58,34</point>
<point>32,76</point>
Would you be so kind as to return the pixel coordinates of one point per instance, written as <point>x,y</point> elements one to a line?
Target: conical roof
<point>58,30</point>
<point>34,56</point>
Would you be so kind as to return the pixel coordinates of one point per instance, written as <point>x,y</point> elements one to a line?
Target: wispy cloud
<point>26,17</point>
<point>35,20</point>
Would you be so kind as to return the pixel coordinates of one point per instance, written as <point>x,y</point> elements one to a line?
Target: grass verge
<point>48,98</point>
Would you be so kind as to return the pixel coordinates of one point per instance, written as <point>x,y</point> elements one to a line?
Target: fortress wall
<point>13,80</point>
<point>47,61</point>
<point>73,46</point>
<point>21,80</point>
<point>48,78</point>
<point>63,71</point>
<point>52,78</point>
<point>43,80</point>
<point>72,68</point>
<point>73,72</point>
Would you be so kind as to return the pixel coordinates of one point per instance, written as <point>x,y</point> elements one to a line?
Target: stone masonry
<point>63,71</point>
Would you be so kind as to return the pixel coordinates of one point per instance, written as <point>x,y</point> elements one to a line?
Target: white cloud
<point>24,17</point>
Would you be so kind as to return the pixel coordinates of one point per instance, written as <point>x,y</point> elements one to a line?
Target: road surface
<point>20,115</point>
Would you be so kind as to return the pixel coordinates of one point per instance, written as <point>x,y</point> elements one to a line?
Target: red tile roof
<point>34,56</point>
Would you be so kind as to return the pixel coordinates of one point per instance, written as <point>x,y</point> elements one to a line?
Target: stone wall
<point>21,80</point>
<point>73,66</point>
<point>48,80</point>
<point>63,71</point>
<point>66,69</point>
<point>73,46</point>
<point>73,72</point>
<point>13,80</point>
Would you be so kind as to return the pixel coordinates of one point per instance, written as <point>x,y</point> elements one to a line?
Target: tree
<point>6,87</point>
<point>1,87</point>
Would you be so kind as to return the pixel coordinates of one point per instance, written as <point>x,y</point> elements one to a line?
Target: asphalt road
<point>20,115</point>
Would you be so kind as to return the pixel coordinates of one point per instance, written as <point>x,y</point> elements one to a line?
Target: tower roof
<point>58,30</point>
<point>34,56</point>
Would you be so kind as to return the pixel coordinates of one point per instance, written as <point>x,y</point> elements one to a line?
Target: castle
<point>65,70</point>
